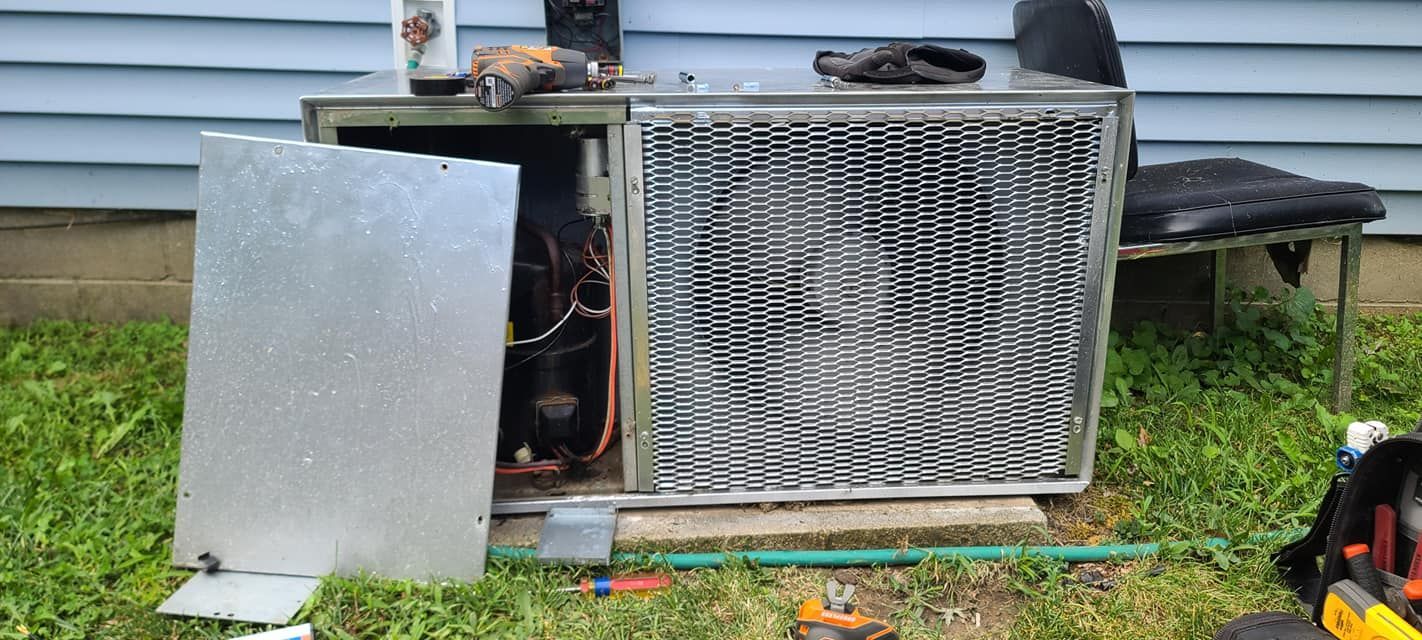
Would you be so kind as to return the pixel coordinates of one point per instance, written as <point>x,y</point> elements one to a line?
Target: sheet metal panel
<point>234,595</point>
<point>345,359</point>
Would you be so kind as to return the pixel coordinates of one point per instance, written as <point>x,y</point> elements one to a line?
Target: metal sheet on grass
<point>345,359</point>
<point>267,598</point>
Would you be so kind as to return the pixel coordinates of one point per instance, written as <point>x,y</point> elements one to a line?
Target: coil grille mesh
<point>884,300</point>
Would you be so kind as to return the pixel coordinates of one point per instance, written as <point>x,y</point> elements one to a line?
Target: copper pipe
<point>558,294</point>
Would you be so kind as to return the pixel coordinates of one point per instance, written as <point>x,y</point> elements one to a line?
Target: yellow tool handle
<point>1350,613</point>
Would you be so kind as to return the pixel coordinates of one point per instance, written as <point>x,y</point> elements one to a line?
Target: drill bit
<point>638,78</point>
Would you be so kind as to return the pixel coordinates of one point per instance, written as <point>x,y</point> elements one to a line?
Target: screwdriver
<point>1361,569</point>
<point>607,585</point>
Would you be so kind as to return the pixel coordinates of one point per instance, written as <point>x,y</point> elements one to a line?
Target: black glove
<point>902,63</point>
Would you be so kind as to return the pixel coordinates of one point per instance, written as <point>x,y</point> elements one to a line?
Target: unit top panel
<point>390,89</point>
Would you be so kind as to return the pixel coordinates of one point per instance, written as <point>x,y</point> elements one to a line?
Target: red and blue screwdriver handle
<point>607,585</point>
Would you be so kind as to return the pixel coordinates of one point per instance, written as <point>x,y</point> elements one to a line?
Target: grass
<point>1208,436</point>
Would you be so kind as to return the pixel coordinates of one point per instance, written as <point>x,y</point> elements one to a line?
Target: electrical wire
<point>547,333</point>
<point>513,468</point>
<point>567,27</point>
<point>535,354</point>
<point>611,421</point>
<point>508,471</point>
<point>582,309</point>
<point>595,265</point>
<point>559,236</point>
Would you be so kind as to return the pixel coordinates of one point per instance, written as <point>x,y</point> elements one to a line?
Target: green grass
<point>1208,436</point>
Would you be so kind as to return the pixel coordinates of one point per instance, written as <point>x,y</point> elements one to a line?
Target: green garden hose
<point>865,557</point>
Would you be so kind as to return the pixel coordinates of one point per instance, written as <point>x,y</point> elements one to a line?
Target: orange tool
<point>503,74</point>
<point>834,618</point>
<point>643,585</point>
<point>1413,592</point>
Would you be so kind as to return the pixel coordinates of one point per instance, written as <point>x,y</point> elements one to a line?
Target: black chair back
<point>1072,38</point>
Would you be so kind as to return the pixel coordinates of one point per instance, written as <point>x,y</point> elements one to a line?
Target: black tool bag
<point>1346,515</point>
<point>902,63</point>
<point>1271,625</point>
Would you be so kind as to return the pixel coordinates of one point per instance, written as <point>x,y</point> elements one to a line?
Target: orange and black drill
<point>503,74</point>
<point>834,618</point>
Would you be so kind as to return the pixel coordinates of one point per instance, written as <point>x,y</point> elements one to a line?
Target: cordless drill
<point>503,74</point>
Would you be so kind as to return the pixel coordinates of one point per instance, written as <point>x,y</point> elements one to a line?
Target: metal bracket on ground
<point>238,595</point>
<point>577,535</point>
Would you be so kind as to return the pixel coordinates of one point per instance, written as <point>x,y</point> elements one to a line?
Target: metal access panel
<point>868,301</point>
<point>344,360</point>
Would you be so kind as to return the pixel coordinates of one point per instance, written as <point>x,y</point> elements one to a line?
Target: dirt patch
<point>972,603</point>
<point>1087,517</point>
<point>995,610</point>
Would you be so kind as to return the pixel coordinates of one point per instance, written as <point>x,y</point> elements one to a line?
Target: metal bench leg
<point>1217,296</point>
<point>1350,256</point>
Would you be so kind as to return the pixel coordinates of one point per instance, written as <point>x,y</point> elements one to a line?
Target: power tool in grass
<point>835,618</point>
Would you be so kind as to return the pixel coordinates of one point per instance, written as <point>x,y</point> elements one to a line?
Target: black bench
<point>1214,204</point>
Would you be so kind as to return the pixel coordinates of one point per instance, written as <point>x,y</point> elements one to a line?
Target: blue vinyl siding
<point>107,116</point>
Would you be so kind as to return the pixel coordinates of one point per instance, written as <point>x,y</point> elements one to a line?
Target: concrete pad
<point>829,525</point>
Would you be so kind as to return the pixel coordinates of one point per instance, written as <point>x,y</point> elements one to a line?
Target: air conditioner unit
<point>823,291</point>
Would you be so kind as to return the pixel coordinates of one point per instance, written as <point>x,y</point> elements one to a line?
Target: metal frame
<point>632,292</point>
<point>379,100</point>
<point>1349,264</point>
<point>650,500</point>
<point>1105,234</point>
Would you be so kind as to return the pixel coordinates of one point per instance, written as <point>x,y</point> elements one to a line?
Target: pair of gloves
<point>902,63</point>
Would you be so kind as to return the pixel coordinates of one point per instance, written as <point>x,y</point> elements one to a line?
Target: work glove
<point>902,63</point>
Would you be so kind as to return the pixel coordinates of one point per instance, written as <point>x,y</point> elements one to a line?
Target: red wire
<point>612,359</point>
<point>508,471</point>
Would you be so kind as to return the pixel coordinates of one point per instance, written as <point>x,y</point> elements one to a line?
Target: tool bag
<point>1271,625</point>
<point>1346,517</point>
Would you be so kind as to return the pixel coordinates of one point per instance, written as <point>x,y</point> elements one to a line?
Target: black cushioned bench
<point>1213,204</point>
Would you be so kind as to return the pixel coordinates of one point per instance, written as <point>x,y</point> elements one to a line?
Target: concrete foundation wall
<point>1390,281</point>
<point>94,265</point>
<point>1175,290</point>
<point>115,266</point>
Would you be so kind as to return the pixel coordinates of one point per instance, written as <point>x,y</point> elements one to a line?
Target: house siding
<point>101,100</point>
